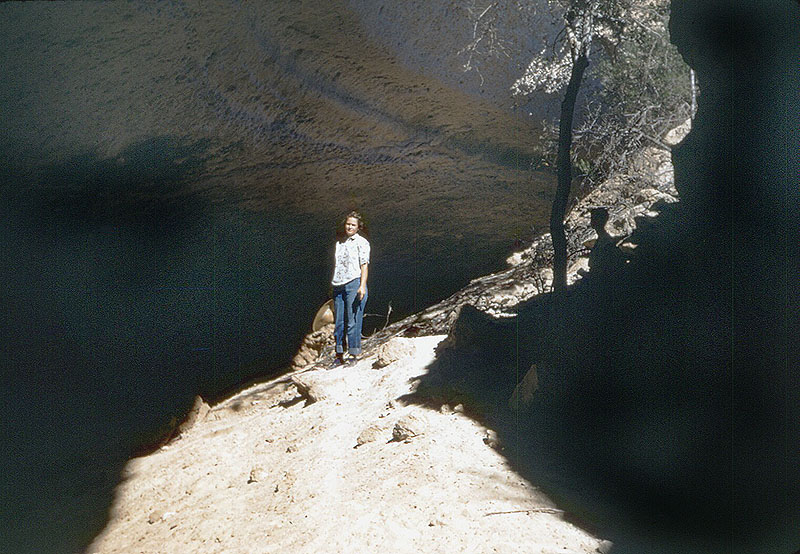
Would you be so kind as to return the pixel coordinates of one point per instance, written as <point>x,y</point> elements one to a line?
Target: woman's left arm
<point>362,288</point>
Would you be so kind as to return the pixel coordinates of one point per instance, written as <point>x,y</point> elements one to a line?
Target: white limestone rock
<point>394,350</point>
<point>409,426</point>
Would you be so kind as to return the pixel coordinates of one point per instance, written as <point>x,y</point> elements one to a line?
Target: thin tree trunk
<point>564,165</point>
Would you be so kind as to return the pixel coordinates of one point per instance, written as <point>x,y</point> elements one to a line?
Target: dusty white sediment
<point>266,471</point>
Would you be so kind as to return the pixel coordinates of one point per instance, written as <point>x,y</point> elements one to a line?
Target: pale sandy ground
<point>266,472</point>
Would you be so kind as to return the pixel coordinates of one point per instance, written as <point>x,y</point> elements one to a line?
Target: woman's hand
<point>362,287</point>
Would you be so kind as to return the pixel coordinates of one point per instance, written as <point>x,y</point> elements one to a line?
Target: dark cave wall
<point>737,175</point>
<point>668,391</point>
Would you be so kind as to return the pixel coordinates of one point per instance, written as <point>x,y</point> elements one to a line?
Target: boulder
<point>394,350</point>
<point>491,439</point>
<point>370,434</point>
<point>409,426</point>
<point>312,347</point>
<point>605,547</point>
<point>196,414</point>
<point>522,397</point>
<point>310,390</point>
<point>676,135</point>
<point>473,330</point>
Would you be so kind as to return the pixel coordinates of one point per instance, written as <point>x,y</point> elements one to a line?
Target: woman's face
<point>351,226</point>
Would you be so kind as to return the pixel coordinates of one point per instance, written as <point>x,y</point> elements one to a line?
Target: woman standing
<point>349,282</point>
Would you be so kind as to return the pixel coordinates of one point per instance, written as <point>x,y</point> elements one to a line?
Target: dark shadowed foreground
<point>667,410</point>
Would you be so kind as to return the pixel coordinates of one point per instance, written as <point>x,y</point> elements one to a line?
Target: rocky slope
<point>349,459</point>
<point>679,403</point>
<point>632,199</point>
<point>334,461</point>
<point>159,161</point>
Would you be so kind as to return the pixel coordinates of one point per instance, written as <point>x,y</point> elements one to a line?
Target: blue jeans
<point>347,308</point>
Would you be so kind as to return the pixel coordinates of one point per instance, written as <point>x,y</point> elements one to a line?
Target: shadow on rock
<point>667,405</point>
<point>87,379</point>
<point>621,397</point>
